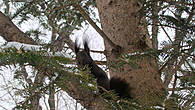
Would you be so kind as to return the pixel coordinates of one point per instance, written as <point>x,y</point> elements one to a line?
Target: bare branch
<point>86,16</point>
<point>26,6</point>
<point>52,97</point>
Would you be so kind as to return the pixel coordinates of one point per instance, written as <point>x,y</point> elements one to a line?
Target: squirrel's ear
<point>76,46</point>
<point>86,47</point>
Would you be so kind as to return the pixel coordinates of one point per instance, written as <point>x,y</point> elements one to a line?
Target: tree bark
<point>10,32</point>
<point>121,22</point>
<point>51,99</point>
<point>84,96</point>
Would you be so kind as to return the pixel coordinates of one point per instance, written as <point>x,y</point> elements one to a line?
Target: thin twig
<point>86,16</point>
<point>166,33</point>
<point>27,5</point>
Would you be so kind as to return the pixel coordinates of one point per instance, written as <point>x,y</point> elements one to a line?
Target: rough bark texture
<point>83,95</point>
<point>11,32</point>
<point>121,23</point>
<point>36,95</point>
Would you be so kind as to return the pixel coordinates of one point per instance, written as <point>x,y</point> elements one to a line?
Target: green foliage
<point>87,78</point>
<point>172,104</point>
<point>43,66</point>
<point>177,53</point>
<point>176,57</point>
<point>131,58</point>
<point>59,14</point>
<point>33,58</point>
<point>119,103</point>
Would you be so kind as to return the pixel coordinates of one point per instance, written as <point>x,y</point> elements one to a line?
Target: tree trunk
<point>123,25</point>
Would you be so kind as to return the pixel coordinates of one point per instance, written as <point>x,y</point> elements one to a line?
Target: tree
<point>131,49</point>
<point>144,86</point>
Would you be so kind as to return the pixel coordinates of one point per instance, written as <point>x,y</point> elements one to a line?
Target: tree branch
<point>51,99</point>
<point>86,16</point>
<point>84,96</point>
<point>26,6</point>
<point>10,32</point>
<point>72,86</point>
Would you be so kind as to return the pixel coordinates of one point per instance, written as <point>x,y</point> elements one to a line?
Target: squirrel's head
<point>83,57</point>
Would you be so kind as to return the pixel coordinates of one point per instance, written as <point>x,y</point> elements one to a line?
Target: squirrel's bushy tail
<point>120,86</point>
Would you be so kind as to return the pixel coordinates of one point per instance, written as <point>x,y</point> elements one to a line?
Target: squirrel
<point>116,84</point>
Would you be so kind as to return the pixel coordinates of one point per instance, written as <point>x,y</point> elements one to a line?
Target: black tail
<point>121,87</point>
<point>83,58</point>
